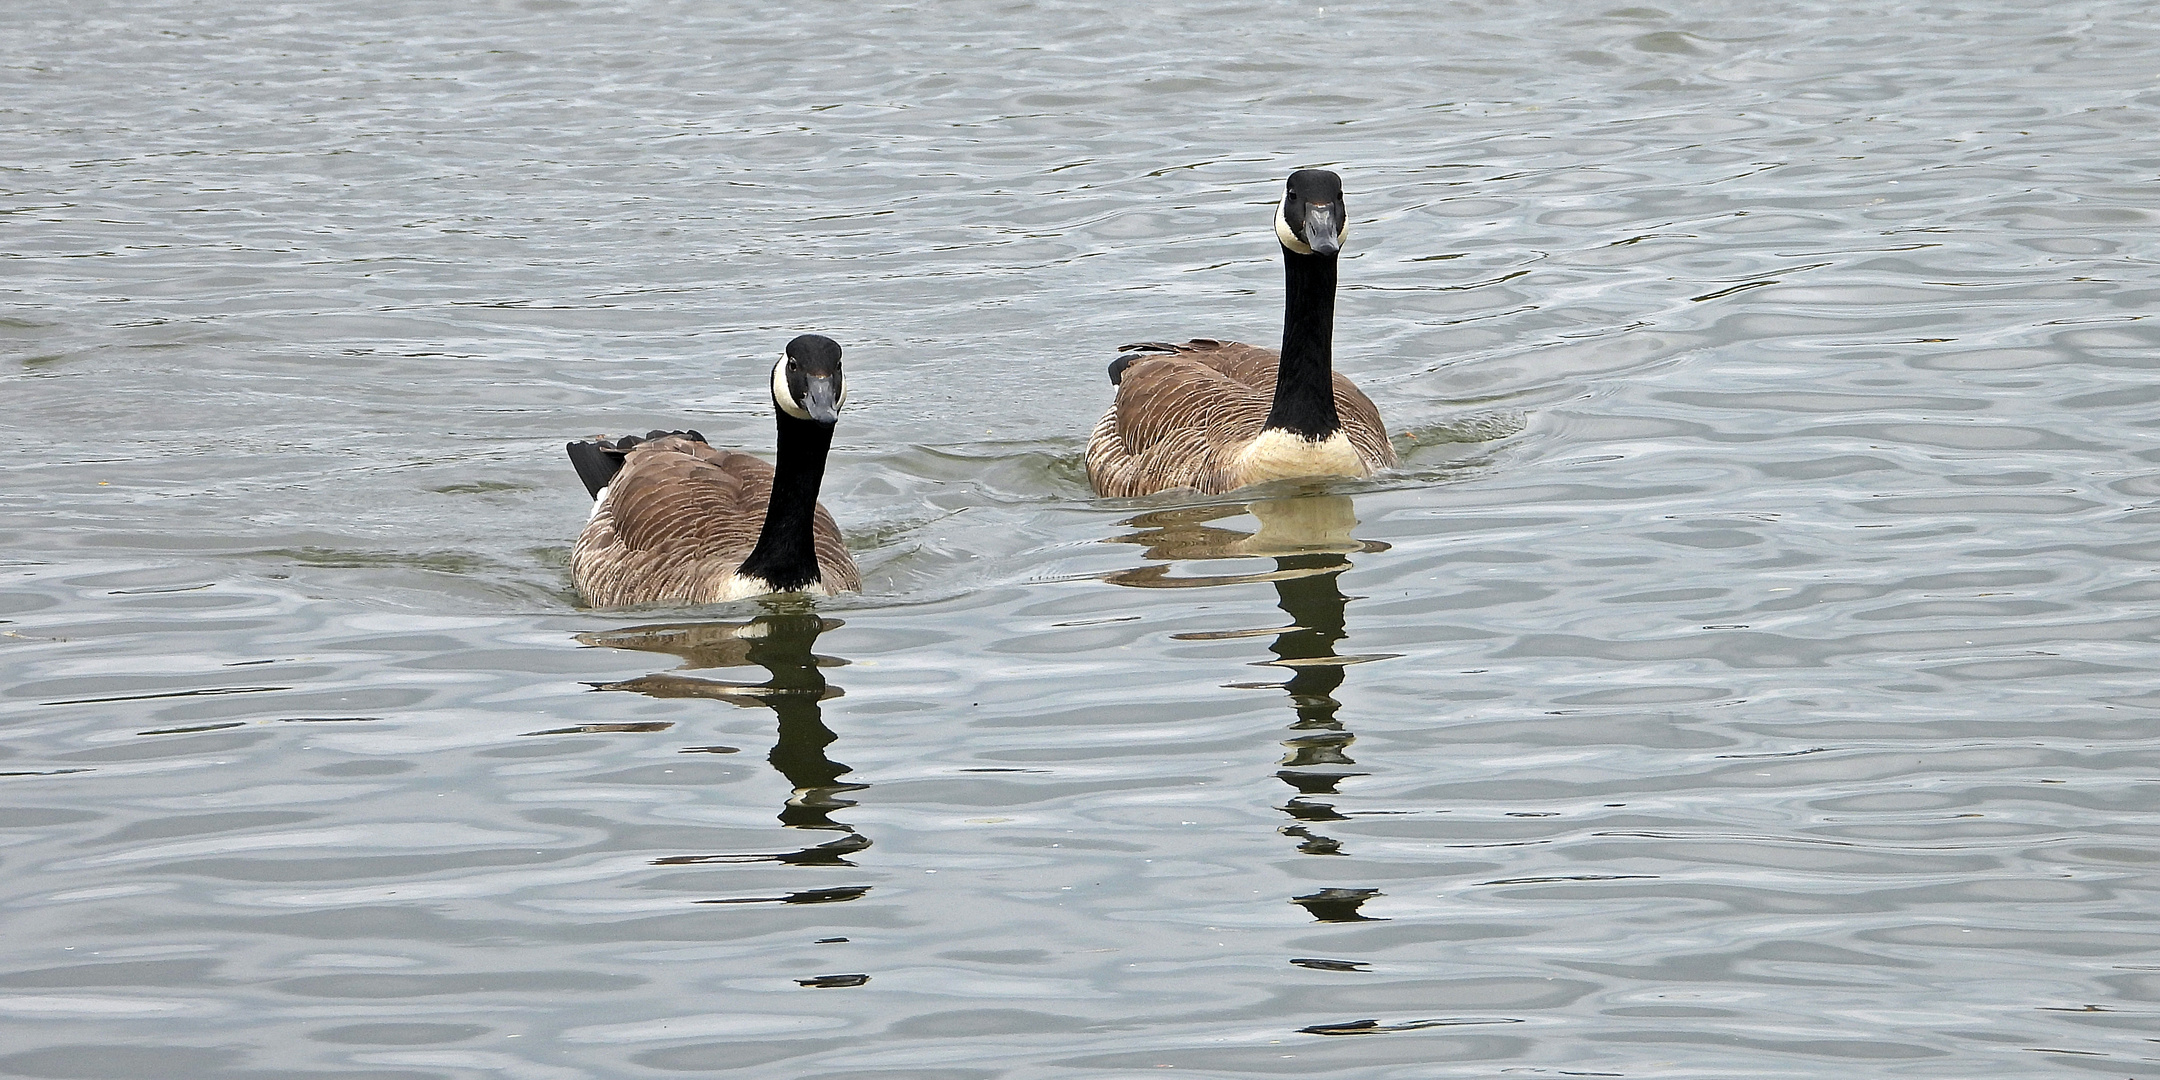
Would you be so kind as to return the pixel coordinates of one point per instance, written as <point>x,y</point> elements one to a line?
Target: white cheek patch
<point>782,396</point>
<point>1289,239</point>
<point>598,503</point>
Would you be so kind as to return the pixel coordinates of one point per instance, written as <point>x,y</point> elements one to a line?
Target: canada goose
<point>1218,415</point>
<point>676,521</point>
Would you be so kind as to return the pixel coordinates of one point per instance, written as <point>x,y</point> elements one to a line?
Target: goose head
<point>806,383</point>
<point>1311,219</point>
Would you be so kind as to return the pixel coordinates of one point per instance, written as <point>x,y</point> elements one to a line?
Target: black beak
<point>821,398</point>
<point>1324,227</point>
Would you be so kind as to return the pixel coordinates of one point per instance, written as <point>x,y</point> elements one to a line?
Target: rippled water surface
<point>1751,672</point>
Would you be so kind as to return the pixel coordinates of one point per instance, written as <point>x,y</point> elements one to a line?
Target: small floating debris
<point>827,981</point>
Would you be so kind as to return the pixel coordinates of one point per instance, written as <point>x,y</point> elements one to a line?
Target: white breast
<point>1281,455</point>
<point>739,587</point>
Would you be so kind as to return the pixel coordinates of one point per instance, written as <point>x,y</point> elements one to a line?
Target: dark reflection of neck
<point>1308,537</point>
<point>1308,589</point>
<point>780,642</point>
<point>793,693</point>
<point>1309,592</point>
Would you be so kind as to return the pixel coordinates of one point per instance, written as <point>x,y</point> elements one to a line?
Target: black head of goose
<point>677,521</point>
<point>1214,416</point>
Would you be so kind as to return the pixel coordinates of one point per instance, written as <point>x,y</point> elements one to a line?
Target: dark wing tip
<point>1118,366</point>
<point>596,464</point>
<point>656,435</point>
<point>1139,350</point>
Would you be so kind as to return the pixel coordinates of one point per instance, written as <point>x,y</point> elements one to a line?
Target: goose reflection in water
<point>780,642</point>
<point>1309,539</point>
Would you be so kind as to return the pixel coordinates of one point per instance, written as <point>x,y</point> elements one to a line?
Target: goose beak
<point>1324,227</point>
<point>821,399</point>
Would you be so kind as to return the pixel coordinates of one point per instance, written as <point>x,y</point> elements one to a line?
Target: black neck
<point>786,552</point>
<point>1305,380</point>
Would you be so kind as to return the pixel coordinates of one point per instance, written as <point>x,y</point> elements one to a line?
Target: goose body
<point>1214,416</point>
<point>676,520</point>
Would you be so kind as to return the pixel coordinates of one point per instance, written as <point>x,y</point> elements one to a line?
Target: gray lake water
<point>1751,672</point>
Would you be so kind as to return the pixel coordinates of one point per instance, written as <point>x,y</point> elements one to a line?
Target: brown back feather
<point>1180,419</point>
<point>680,518</point>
